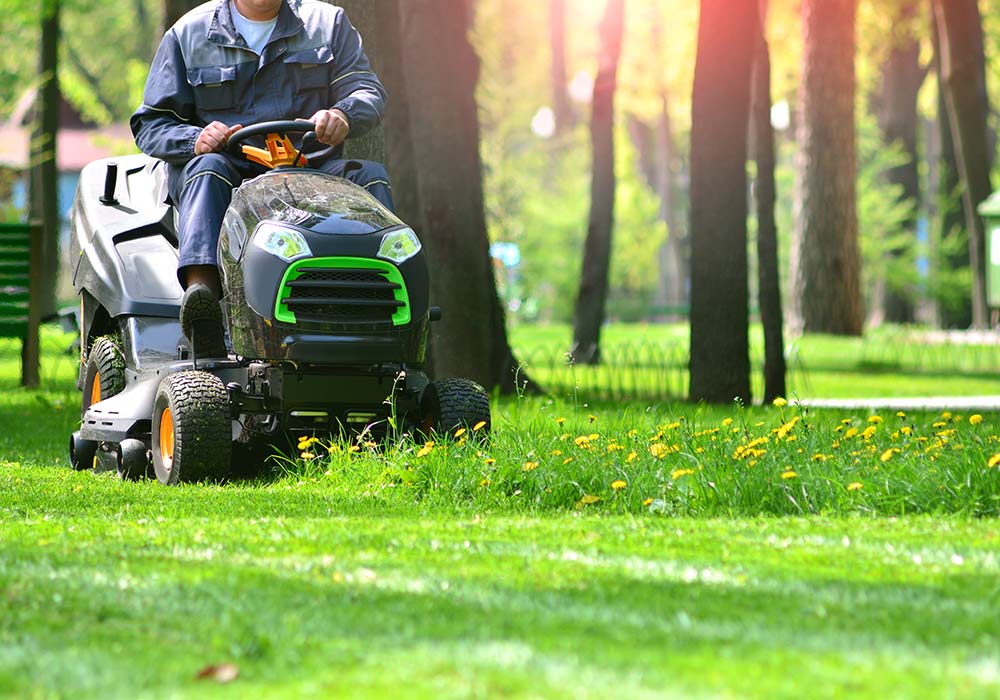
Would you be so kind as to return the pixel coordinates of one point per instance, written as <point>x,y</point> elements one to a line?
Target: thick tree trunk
<point>768,275</point>
<point>561,104</point>
<point>173,10</point>
<point>432,144</point>
<point>720,361</point>
<point>44,177</point>
<point>827,261</point>
<point>362,14</point>
<point>953,253</point>
<point>591,299</point>
<point>898,120</point>
<point>963,69</point>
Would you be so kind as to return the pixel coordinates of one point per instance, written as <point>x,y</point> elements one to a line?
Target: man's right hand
<point>214,138</point>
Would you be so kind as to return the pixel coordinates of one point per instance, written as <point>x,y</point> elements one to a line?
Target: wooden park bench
<point>20,271</point>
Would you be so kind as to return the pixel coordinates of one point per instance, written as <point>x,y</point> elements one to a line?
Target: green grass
<point>650,361</point>
<point>410,572</point>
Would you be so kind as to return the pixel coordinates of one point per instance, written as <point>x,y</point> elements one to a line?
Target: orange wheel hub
<point>166,445</point>
<point>95,389</point>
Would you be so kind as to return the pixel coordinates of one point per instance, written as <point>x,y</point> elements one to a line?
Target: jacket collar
<point>223,30</point>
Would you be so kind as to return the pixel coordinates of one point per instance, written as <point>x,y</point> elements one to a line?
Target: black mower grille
<point>343,296</point>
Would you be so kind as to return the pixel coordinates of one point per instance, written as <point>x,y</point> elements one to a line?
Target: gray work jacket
<point>204,72</point>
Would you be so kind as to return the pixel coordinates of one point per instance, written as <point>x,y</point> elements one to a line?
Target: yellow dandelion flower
<point>632,456</point>
<point>308,455</point>
<point>938,424</point>
<point>906,430</point>
<point>887,455</point>
<point>727,422</point>
<point>658,449</point>
<point>556,453</point>
<point>567,460</point>
<point>460,432</point>
<point>855,486</point>
<point>618,485</point>
<point>588,500</point>
<point>648,502</point>
<point>875,419</point>
<point>846,421</point>
<point>560,420</point>
<point>789,474</point>
<point>489,461</point>
<point>479,426</point>
<point>851,432</point>
<point>900,414</point>
<point>354,448</point>
<point>529,466</point>
<point>581,441</point>
<point>819,457</point>
<point>946,415</point>
<point>674,426</point>
<point>994,460</point>
<point>868,432</point>
<point>779,402</point>
<point>679,473</point>
<point>592,418</point>
<point>485,482</point>
<point>425,450</point>
<point>975,419</point>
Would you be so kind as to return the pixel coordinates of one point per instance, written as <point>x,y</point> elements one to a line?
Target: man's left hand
<point>332,126</point>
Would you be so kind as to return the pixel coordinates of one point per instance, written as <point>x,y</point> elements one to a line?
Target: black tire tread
<point>106,357</point>
<point>459,403</point>
<point>202,428</point>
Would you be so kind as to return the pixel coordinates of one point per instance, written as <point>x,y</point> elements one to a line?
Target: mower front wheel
<point>192,429</point>
<point>451,404</point>
<point>104,375</point>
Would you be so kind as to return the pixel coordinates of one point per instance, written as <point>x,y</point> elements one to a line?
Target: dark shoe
<point>201,321</point>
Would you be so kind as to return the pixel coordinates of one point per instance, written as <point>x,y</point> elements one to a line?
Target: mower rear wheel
<point>104,376</point>
<point>449,405</point>
<point>192,429</point>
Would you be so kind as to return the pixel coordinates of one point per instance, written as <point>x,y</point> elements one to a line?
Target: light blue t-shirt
<point>254,33</point>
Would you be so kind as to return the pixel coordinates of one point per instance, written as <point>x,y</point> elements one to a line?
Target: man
<point>233,62</point>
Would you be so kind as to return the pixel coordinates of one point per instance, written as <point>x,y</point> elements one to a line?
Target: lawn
<point>458,570</point>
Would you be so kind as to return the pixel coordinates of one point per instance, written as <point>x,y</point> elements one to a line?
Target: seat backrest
<point>15,279</point>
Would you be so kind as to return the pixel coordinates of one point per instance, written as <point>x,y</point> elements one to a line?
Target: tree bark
<point>720,361</point>
<point>768,275</point>
<point>44,178</point>
<point>561,104</point>
<point>432,147</point>
<point>963,68</point>
<point>363,16</point>
<point>899,122</point>
<point>591,299</point>
<point>828,261</point>
<point>173,10</point>
<point>953,252</point>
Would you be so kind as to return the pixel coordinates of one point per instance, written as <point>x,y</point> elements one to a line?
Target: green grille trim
<point>285,315</point>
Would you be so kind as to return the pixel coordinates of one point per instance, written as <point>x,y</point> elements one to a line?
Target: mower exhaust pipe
<point>110,184</point>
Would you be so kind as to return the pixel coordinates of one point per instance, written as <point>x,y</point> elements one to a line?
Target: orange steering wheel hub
<point>279,152</point>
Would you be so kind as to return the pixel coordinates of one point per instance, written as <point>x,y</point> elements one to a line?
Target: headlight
<point>399,246</point>
<point>285,243</point>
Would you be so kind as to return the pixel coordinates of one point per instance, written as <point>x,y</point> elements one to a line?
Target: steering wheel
<point>282,128</point>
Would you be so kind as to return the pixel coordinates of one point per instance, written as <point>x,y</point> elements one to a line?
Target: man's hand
<point>332,126</point>
<point>214,138</point>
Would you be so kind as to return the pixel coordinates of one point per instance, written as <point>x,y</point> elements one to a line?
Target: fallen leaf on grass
<point>220,673</point>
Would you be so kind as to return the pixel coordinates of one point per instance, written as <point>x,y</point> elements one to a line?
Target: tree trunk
<point>44,179</point>
<point>561,104</point>
<point>768,275</point>
<point>362,14</point>
<point>432,146</point>
<point>173,10</point>
<point>656,153</point>
<point>953,249</point>
<point>963,69</point>
<point>590,302</point>
<point>898,120</point>
<point>720,361</point>
<point>827,273</point>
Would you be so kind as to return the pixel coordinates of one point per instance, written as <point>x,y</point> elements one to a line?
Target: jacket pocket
<point>311,67</point>
<point>214,87</point>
